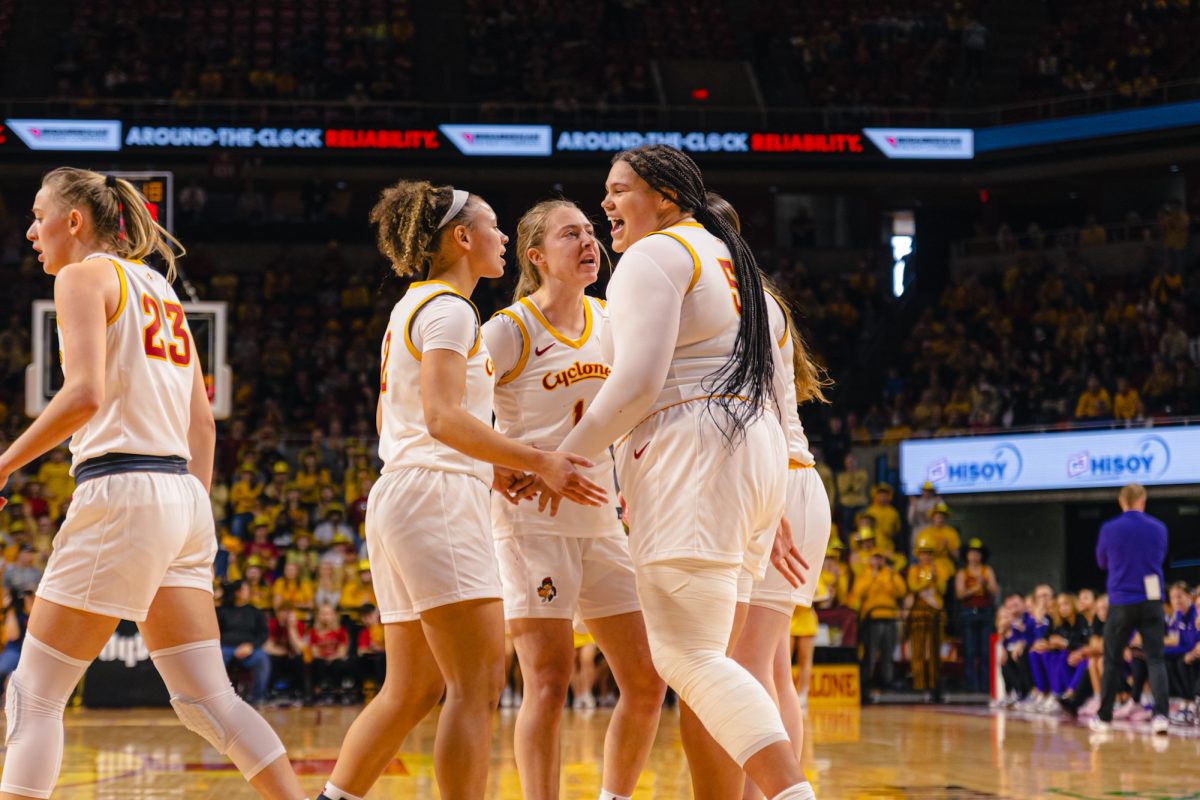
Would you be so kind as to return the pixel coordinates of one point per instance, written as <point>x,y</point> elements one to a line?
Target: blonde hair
<point>119,214</point>
<point>1131,493</point>
<point>812,379</point>
<point>407,217</point>
<point>531,233</point>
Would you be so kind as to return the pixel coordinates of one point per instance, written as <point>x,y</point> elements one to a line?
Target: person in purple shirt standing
<point>1132,548</point>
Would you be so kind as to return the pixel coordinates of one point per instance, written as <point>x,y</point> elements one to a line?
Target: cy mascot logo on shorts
<point>547,591</point>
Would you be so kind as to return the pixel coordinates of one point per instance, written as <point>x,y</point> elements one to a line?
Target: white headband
<point>456,205</point>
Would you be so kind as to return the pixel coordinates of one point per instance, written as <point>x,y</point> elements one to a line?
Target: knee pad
<point>37,694</point>
<point>206,704</point>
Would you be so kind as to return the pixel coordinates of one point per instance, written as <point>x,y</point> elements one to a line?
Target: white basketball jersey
<point>404,440</point>
<point>709,316</point>
<point>797,439</point>
<point>148,372</point>
<point>540,400</point>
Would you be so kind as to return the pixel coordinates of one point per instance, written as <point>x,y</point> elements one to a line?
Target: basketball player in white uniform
<point>138,541</point>
<point>549,367</point>
<point>428,527</point>
<point>761,639</point>
<point>700,463</point>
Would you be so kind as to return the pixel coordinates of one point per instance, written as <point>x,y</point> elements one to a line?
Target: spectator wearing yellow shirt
<point>877,593</point>
<point>1094,402</point>
<point>310,477</point>
<point>897,431</point>
<point>292,589</point>
<point>852,483</point>
<point>357,591</point>
<point>833,593</point>
<point>243,496</point>
<point>360,468</point>
<point>1126,402</point>
<point>887,518</point>
<point>303,555</point>
<point>55,475</point>
<point>946,540</point>
<point>260,592</point>
<point>927,585</point>
<point>276,490</point>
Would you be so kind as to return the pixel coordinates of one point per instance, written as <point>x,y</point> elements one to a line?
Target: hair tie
<point>456,205</point>
<point>110,181</point>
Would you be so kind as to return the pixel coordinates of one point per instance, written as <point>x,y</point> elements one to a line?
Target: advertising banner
<point>1069,460</point>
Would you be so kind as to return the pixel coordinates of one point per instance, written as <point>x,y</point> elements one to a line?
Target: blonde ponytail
<point>119,214</point>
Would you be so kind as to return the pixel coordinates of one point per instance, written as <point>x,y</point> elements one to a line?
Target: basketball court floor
<point>878,753</point>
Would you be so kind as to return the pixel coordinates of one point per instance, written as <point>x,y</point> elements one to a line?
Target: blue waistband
<point>118,463</point>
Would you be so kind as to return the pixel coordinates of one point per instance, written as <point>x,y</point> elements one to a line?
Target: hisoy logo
<point>1001,468</point>
<point>1147,459</point>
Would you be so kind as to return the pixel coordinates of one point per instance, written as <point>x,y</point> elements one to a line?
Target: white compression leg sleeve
<point>688,607</point>
<point>206,704</point>
<point>37,694</point>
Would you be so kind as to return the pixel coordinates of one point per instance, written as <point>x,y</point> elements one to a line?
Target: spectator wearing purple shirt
<point>1132,548</point>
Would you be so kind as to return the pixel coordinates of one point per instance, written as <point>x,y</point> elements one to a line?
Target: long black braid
<point>750,369</point>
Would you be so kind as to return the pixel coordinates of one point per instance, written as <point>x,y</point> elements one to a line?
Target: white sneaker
<point>1049,705</point>
<point>1098,725</point>
<point>1090,708</point>
<point>506,697</point>
<point>584,702</point>
<point>1160,725</point>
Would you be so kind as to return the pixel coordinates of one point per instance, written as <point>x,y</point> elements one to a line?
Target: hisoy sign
<point>1076,460</point>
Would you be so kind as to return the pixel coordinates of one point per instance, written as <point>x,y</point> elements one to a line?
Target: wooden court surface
<point>876,753</point>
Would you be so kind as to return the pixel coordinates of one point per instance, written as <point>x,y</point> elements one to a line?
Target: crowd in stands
<point>871,53</point>
<point>1054,655</point>
<point>355,50</point>
<point>868,53</point>
<point>874,591</point>
<point>1130,47</point>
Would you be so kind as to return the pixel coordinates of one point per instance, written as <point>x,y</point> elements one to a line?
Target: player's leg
<point>467,641</point>
<point>634,722</point>
<point>412,685</point>
<point>714,773</point>
<point>60,642</point>
<point>765,631</point>
<point>689,609</point>
<point>544,647</point>
<point>181,633</point>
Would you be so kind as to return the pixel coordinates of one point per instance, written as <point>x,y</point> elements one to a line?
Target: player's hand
<point>561,474</point>
<point>625,515</point>
<point>547,498</point>
<point>3,483</point>
<point>512,485</point>
<point>786,557</point>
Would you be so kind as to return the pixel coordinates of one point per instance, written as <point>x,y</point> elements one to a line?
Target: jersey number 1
<point>179,350</point>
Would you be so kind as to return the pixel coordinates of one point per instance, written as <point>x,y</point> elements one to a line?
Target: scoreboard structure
<point>43,377</point>
<point>159,190</point>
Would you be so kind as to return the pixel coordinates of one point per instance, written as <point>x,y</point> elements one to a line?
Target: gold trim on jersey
<point>787,321</point>
<point>572,343</point>
<point>449,290</point>
<point>512,374</point>
<point>794,464</point>
<point>695,258</point>
<point>124,292</point>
